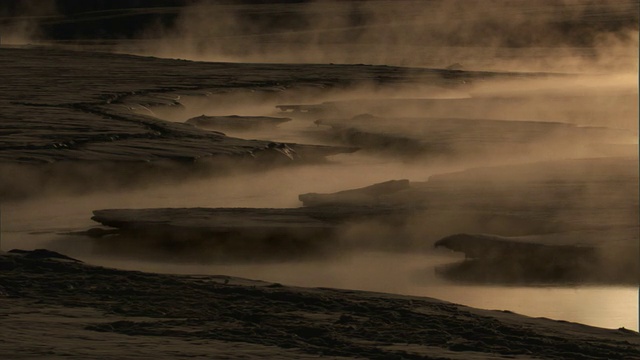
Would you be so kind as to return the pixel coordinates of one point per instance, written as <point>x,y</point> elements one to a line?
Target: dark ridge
<point>500,260</point>
<point>41,254</point>
<point>225,234</point>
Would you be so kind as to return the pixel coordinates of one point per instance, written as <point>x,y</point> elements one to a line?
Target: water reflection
<point>412,274</point>
<point>391,272</point>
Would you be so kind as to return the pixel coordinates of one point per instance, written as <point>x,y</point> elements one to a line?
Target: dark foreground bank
<point>54,306</point>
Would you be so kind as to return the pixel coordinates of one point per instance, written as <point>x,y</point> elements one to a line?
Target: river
<point>40,223</point>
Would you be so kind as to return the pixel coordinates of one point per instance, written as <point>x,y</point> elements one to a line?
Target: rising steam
<point>571,35</point>
<point>20,20</point>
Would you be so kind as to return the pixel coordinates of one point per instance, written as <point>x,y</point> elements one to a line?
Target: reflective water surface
<point>407,274</point>
<point>40,223</point>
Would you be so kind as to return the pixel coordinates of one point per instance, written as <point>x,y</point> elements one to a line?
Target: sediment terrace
<point>571,221</point>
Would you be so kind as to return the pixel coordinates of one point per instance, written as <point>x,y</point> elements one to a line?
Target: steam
<point>20,20</point>
<point>507,35</point>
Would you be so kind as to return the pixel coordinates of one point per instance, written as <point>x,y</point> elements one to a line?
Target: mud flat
<point>578,104</point>
<point>226,234</point>
<point>448,139</point>
<point>71,118</point>
<point>236,122</point>
<point>86,120</point>
<point>124,314</point>
<point>78,120</point>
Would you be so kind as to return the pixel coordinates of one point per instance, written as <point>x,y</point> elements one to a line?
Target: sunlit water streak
<point>603,306</point>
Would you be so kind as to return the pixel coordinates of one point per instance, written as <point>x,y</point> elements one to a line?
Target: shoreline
<point>218,312</point>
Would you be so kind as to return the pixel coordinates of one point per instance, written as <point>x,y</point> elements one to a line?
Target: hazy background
<point>545,35</point>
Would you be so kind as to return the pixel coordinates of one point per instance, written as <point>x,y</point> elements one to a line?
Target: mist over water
<point>572,36</point>
<point>498,35</point>
<point>590,83</point>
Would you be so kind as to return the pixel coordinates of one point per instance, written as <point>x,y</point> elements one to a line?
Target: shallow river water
<point>602,306</point>
<point>39,223</point>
